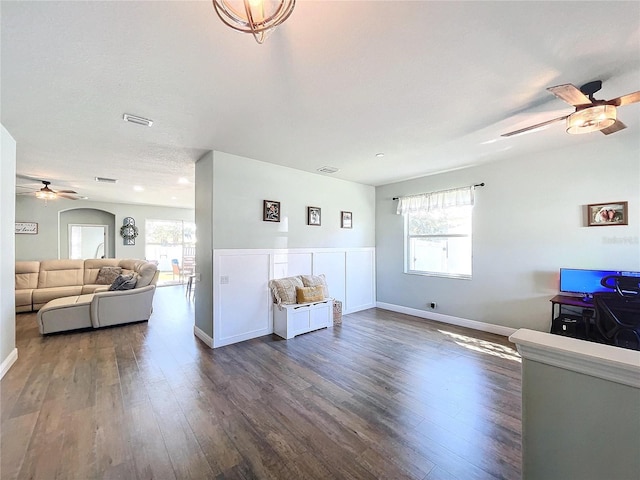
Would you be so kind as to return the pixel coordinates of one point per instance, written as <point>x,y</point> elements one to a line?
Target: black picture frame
<point>270,211</point>
<point>346,219</point>
<point>314,216</point>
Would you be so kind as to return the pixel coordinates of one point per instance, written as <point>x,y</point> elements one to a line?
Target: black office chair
<point>618,314</point>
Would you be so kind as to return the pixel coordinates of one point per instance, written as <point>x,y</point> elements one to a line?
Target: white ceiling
<point>430,84</point>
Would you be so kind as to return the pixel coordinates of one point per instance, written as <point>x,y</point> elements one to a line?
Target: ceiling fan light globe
<point>46,195</point>
<point>258,17</point>
<point>591,119</point>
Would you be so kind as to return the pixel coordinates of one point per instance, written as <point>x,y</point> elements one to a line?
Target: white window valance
<point>455,197</point>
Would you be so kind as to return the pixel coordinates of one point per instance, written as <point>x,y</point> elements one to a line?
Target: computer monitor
<point>587,282</point>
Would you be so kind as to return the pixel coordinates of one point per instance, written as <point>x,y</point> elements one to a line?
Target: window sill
<point>459,276</point>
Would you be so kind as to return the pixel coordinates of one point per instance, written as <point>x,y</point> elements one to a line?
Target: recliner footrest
<point>66,313</point>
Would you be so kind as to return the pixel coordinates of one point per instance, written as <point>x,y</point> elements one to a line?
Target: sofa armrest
<point>122,306</point>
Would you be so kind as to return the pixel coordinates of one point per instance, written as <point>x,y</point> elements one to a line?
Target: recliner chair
<point>617,317</point>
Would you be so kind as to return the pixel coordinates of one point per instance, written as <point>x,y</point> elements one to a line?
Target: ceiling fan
<point>45,193</point>
<point>590,115</point>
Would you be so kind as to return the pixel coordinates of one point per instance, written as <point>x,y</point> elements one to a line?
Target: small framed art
<point>313,216</point>
<point>612,213</point>
<point>30,228</point>
<point>346,220</point>
<point>271,211</point>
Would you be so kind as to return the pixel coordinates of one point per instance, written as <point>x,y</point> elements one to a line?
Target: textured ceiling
<point>430,84</point>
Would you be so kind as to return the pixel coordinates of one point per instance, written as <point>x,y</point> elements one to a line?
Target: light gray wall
<point>45,245</point>
<point>7,238</point>
<point>578,426</point>
<point>528,221</point>
<point>91,216</point>
<point>204,252</point>
<point>241,184</point>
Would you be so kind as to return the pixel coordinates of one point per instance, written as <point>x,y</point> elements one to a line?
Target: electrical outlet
<point>224,280</point>
<point>433,305</point>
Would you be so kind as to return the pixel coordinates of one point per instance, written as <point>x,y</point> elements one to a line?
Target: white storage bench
<point>299,318</point>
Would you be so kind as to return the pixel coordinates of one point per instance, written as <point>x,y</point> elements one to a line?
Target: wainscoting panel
<point>332,265</point>
<point>360,275</point>
<point>242,307</point>
<point>291,264</point>
<point>242,310</point>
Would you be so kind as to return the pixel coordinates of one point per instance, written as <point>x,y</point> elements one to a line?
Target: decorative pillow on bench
<point>284,289</point>
<point>316,281</point>
<point>309,294</point>
<point>124,282</point>
<point>107,275</point>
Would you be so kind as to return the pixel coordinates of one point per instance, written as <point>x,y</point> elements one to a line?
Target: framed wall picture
<point>30,228</point>
<point>270,211</point>
<point>612,213</point>
<point>346,220</point>
<point>313,216</point>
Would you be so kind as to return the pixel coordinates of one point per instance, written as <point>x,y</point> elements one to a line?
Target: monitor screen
<point>587,281</point>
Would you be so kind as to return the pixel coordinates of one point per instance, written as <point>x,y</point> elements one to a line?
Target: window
<point>171,245</point>
<point>438,242</point>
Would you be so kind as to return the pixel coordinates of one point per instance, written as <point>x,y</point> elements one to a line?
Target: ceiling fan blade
<point>67,196</point>
<point>29,178</point>
<point>625,99</point>
<point>618,125</point>
<point>534,127</point>
<point>570,94</point>
<point>66,191</point>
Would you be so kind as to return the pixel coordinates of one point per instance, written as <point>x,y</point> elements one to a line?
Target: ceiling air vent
<point>326,169</point>
<point>127,117</point>
<point>106,180</point>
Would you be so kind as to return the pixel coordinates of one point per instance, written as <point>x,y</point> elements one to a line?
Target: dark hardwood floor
<point>385,395</point>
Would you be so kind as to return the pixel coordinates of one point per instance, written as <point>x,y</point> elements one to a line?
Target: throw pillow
<point>106,275</point>
<point>284,289</point>
<point>315,281</point>
<point>309,294</point>
<point>124,282</point>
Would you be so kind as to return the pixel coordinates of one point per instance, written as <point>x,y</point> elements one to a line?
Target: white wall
<point>528,221</point>
<point>230,191</point>
<point>8,352</point>
<point>46,243</point>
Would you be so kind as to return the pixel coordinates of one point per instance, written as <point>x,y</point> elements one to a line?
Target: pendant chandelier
<point>258,17</point>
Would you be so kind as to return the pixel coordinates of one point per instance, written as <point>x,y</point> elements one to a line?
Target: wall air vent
<point>127,117</point>
<point>106,180</point>
<point>326,169</point>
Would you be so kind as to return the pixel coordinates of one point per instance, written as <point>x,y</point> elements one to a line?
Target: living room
<point>529,218</point>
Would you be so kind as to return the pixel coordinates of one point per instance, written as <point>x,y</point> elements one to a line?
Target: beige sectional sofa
<point>39,282</point>
<point>67,295</point>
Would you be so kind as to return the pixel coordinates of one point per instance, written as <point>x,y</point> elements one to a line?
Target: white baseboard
<point>8,362</point>
<point>439,317</point>
<point>208,341</point>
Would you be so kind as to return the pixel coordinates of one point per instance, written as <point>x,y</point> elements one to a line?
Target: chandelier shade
<point>258,17</point>
<point>591,119</point>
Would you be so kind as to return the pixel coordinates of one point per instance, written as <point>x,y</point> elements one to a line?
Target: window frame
<point>408,253</point>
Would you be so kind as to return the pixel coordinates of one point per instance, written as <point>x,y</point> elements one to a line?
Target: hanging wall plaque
<point>129,231</point>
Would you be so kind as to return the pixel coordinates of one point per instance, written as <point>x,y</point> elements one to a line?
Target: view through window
<point>171,244</point>
<point>438,242</point>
